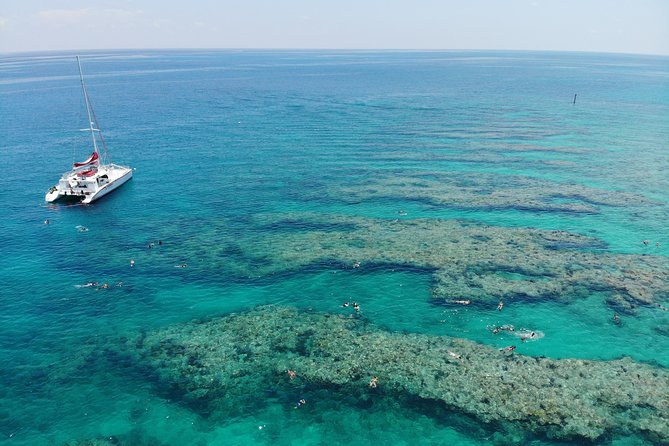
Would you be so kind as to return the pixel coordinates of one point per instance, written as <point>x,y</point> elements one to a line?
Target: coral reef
<point>477,262</point>
<point>462,190</point>
<point>225,365</point>
<point>471,261</point>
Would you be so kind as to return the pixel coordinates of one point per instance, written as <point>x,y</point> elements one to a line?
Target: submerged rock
<point>228,365</point>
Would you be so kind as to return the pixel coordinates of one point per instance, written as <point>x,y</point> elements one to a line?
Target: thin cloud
<point>68,17</point>
<point>4,22</point>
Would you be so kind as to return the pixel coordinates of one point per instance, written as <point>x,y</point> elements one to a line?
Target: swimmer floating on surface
<point>526,336</point>
<point>87,285</point>
<point>510,348</point>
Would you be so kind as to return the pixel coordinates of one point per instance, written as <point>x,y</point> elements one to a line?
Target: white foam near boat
<point>94,177</point>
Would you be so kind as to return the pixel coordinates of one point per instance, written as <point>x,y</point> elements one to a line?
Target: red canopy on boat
<point>88,173</point>
<point>91,159</point>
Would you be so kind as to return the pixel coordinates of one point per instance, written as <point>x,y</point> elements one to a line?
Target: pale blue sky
<point>622,26</point>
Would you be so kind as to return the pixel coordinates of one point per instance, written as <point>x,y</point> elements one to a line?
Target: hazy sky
<point>626,26</point>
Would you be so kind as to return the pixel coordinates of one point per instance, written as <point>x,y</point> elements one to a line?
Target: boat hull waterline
<point>86,189</point>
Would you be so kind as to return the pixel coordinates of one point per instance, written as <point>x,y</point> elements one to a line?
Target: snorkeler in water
<point>87,285</point>
<point>510,348</point>
<point>526,336</point>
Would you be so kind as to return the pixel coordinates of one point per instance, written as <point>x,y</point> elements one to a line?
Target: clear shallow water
<point>218,137</point>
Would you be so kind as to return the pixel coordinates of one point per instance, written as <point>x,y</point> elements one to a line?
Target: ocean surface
<point>273,174</point>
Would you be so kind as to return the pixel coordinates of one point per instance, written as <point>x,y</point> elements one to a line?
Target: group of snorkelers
<point>355,306</point>
<point>522,333</point>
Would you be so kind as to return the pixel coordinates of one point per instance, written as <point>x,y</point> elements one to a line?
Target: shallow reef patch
<point>226,365</point>
<point>461,190</point>
<point>473,261</point>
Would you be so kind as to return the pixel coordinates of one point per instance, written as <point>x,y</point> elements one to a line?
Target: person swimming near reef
<point>500,305</point>
<point>373,382</point>
<point>526,336</point>
<point>616,319</point>
<point>646,242</point>
<point>345,305</point>
<point>510,348</point>
<point>462,302</point>
<point>291,374</point>
<point>301,402</point>
<point>87,285</point>
<point>46,222</point>
<point>81,228</point>
<point>132,262</point>
<point>356,307</point>
<point>104,286</point>
<point>454,355</point>
<point>495,329</point>
<point>181,265</point>
<point>356,265</point>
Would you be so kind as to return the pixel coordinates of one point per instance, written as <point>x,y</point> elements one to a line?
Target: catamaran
<point>96,176</point>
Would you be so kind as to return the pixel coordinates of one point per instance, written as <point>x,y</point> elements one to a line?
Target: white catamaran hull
<point>78,185</point>
<point>109,187</point>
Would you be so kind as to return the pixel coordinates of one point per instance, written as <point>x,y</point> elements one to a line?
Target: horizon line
<point>300,49</point>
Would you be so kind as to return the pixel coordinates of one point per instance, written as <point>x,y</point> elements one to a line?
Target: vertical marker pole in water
<point>575,94</point>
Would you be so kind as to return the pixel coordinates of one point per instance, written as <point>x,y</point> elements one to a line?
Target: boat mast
<point>88,110</point>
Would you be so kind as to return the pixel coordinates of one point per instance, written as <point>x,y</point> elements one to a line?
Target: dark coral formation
<point>462,190</point>
<point>477,262</point>
<point>224,365</point>
<point>471,261</point>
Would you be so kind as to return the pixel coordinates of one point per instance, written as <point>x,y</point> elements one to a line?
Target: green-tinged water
<point>426,187</point>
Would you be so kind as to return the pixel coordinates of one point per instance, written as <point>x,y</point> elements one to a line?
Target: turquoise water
<point>222,140</point>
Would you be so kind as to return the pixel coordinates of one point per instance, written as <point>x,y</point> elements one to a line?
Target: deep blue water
<point>219,139</point>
